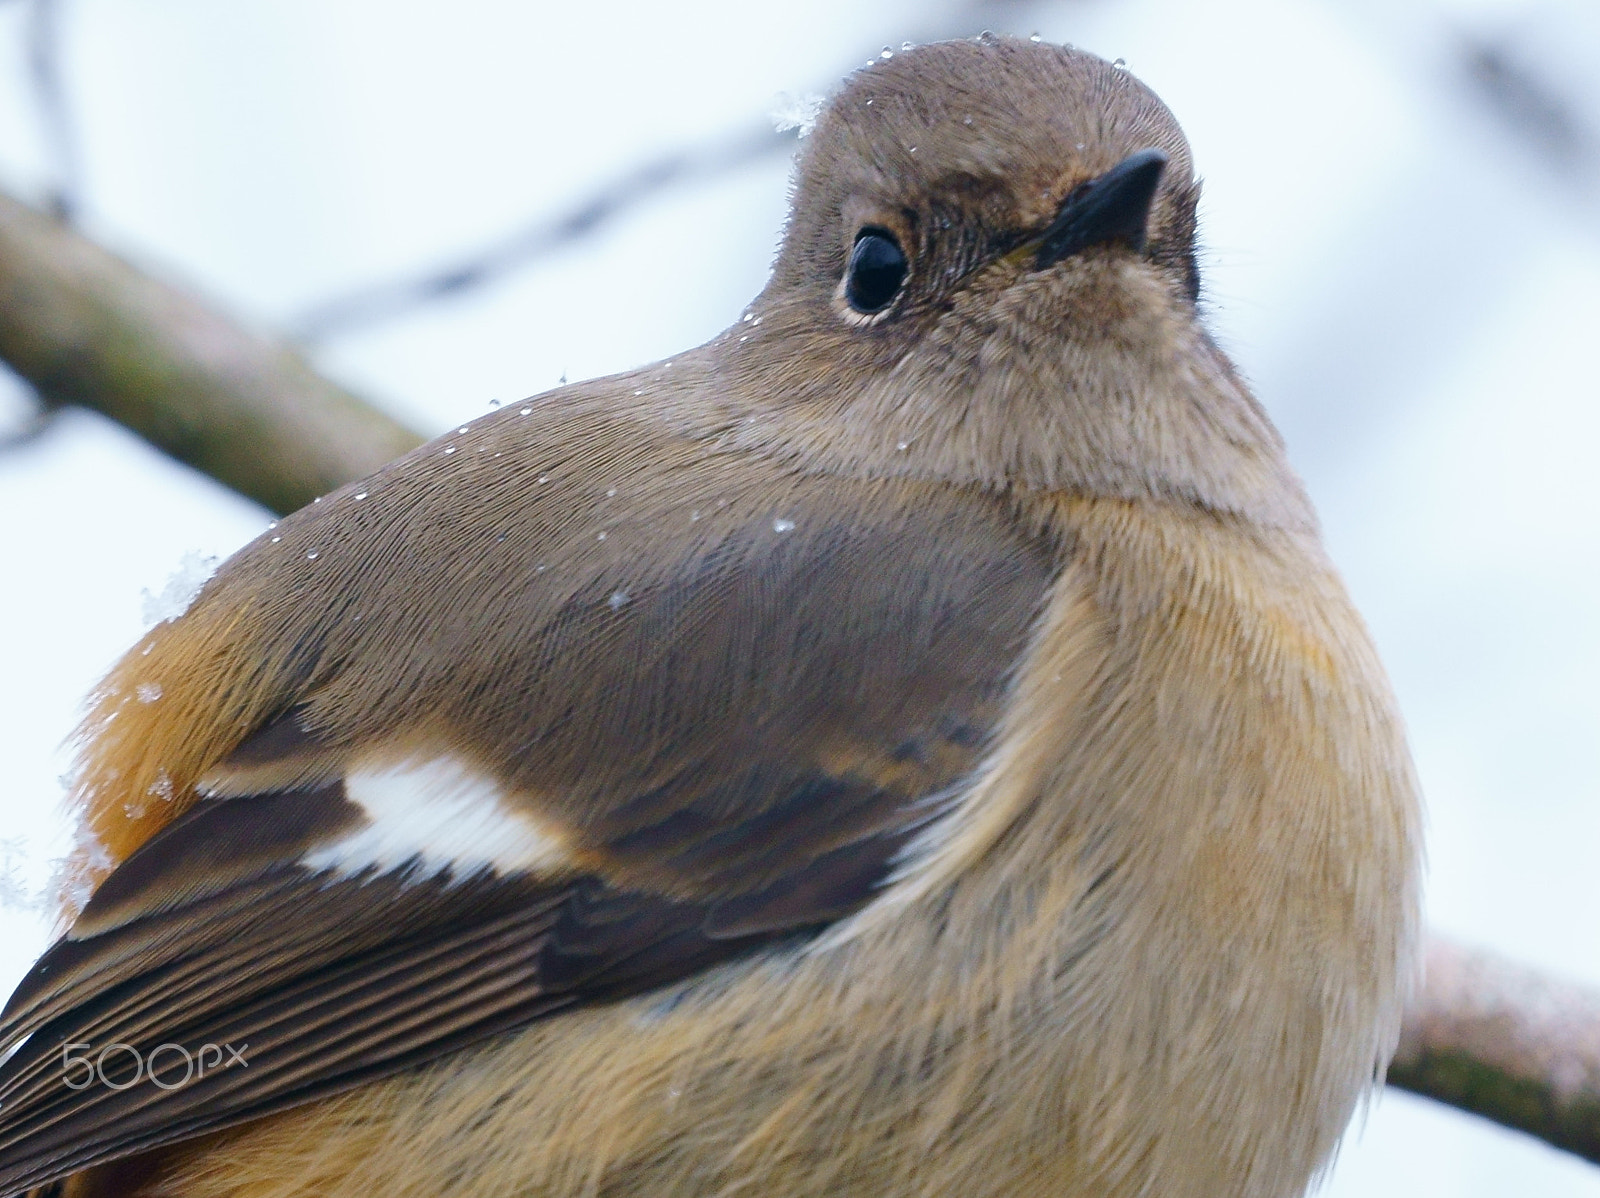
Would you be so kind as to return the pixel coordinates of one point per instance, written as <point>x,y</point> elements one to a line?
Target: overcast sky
<point>1407,269</point>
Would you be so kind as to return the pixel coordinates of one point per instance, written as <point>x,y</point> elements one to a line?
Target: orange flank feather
<point>177,703</point>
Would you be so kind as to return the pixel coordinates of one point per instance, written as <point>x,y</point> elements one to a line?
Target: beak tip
<point>1144,160</point>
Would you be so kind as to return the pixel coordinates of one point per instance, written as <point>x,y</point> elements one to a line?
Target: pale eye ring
<point>877,269</point>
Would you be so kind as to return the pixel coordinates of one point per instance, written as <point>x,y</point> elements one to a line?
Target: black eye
<point>877,268</point>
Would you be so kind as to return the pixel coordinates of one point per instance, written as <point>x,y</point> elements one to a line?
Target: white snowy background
<point>1408,270</point>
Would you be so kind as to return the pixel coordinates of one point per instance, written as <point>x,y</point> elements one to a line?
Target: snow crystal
<point>194,568</point>
<point>799,113</point>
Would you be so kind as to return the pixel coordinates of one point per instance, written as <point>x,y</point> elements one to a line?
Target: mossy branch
<point>1504,1042</point>
<point>85,327</point>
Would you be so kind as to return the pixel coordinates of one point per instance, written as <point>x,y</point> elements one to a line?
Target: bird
<point>915,743</point>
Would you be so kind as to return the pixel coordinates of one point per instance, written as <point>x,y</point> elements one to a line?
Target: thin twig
<point>384,301</point>
<point>1543,116</point>
<point>55,118</point>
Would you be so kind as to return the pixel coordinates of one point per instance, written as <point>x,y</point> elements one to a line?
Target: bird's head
<point>989,275</point>
<point>954,174</point>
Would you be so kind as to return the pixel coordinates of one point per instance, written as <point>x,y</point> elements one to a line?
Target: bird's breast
<point>1182,891</point>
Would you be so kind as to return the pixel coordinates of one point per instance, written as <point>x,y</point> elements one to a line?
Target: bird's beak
<point>1112,208</point>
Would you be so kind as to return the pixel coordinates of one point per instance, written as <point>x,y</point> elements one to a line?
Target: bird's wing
<point>716,733</point>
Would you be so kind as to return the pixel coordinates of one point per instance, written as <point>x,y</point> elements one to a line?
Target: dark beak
<point>1113,208</point>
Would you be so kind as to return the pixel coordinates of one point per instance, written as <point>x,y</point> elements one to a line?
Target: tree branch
<point>1501,1041</point>
<point>85,327</point>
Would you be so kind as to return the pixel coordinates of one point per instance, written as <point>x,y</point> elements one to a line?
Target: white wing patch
<point>438,814</point>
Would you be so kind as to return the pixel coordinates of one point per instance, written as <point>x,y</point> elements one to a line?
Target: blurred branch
<point>1534,107</point>
<point>384,301</point>
<point>1501,1041</point>
<point>85,327</point>
<point>44,68</point>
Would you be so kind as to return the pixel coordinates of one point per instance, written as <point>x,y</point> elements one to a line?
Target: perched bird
<point>913,744</point>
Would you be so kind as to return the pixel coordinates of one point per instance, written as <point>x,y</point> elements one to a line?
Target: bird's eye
<point>877,268</point>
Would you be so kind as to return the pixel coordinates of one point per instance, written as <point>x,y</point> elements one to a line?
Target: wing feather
<point>731,750</point>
